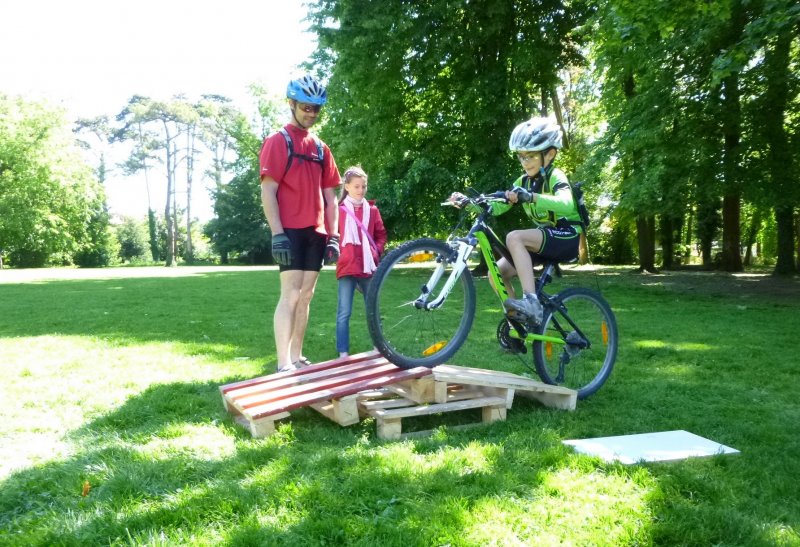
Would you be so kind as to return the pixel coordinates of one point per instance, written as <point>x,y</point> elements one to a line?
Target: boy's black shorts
<point>308,249</point>
<point>560,243</point>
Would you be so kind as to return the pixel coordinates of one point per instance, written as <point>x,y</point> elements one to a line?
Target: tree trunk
<point>170,259</point>
<point>667,243</point>
<point>731,233</point>
<point>781,170</point>
<point>189,252</point>
<point>732,131</point>
<point>645,228</point>
<point>687,236</point>
<point>731,199</point>
<point>560,119</point>
<point>153,233</point>
<point>750,237</point>
<point>784,220</point>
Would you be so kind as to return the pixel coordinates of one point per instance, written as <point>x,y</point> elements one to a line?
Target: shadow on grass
<point>169,465</point>
<point>170,461</point>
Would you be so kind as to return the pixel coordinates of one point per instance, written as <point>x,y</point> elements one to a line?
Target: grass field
<point>110,389</point>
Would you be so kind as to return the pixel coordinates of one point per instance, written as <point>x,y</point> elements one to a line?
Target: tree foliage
<point>697,106</point>
<point>239,228</point>
<point>684,119</point>
<point>52,208</point>
<point>424,95</point>
<point>680,87</point>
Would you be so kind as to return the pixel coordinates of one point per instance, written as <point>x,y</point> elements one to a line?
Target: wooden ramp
<point>367,385</point>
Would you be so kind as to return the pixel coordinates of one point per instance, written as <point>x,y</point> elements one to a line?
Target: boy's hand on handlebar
<point>458,199</point>
<point>518,194</point>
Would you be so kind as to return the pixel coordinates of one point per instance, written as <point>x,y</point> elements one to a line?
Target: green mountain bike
<point>421,305</point>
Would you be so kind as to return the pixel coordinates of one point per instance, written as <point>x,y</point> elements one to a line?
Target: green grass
<point>115,382</point>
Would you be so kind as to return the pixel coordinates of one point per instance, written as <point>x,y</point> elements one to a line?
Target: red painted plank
<point>332,363</point>
<point>278,381</point>
<point>323,384</point>
<point>306,399</point>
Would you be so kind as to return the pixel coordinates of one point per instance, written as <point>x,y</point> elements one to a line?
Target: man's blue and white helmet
<point>307,90</point>
<point>535,135</point>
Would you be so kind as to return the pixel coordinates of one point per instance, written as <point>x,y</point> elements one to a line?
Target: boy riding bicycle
<point>546,197</point>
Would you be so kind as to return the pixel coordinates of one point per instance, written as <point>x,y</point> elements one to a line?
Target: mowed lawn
<point>112,429</point>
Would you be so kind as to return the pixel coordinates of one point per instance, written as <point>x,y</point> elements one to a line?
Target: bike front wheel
<point>584,321</point>
<point>409,321</point>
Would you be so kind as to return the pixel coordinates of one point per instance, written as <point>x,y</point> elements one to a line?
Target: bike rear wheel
<point>585,321</point>
<point>403,328</point>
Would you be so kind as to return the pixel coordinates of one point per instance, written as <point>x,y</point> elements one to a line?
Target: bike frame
<point>484,237</point>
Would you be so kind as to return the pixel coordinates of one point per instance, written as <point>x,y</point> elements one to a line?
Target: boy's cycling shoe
<point>528,307</point>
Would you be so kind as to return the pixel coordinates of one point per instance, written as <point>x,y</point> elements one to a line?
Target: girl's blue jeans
<point>344,309</point>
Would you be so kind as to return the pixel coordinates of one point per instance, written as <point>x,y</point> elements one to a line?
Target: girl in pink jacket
<point>363,237</point>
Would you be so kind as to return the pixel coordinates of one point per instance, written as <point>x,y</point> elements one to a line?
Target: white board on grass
<point>650,447</point>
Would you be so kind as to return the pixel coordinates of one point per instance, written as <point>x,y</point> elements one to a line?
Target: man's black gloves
<point>332,250</point>
<point>523,196</point>
<point>281,249</point>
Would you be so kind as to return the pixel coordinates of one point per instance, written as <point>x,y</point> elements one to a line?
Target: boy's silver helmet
<point>535,135</point>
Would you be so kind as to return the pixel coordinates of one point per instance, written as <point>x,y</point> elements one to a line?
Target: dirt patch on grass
<point>752,284</point>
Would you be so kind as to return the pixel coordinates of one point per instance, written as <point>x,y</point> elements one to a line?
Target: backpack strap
<point>320,150</point>
<point>289,149</point>
<point>291,155</point>
<point>580,206</point>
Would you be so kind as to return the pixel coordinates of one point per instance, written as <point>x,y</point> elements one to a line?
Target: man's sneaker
<point>529,307</point>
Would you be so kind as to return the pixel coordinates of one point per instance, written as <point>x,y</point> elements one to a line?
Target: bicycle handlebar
<point>480,199</point>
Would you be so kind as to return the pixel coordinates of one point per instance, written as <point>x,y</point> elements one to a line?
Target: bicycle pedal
<point>514,315</point>
<point>524,320</point>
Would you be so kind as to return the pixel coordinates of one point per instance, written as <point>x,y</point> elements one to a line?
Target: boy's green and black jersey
<point>553,203</point>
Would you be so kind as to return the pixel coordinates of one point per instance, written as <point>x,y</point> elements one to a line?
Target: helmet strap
<point>299,123</point>
<point>552,160</point>
<point>545,172</point>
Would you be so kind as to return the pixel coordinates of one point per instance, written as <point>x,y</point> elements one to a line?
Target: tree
<point>132,237</point>
<point>424,95</point>
<point>775,118</point>
<point>145,143</point>
<point>166,122</point>
<point>52,208</point>
<point>239,227</point>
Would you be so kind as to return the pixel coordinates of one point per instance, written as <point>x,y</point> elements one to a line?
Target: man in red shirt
<point>298,192</point>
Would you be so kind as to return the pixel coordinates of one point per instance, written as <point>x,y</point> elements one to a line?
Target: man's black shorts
<point>308,249</point>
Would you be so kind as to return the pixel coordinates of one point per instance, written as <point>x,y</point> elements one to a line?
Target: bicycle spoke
<point>587,325</point>
<point>405,332</point>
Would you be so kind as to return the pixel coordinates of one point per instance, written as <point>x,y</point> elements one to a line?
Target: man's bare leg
<point>285,312</point>
<point>308,285</point>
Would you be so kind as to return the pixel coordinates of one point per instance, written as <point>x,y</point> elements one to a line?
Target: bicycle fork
<point>465,248</point>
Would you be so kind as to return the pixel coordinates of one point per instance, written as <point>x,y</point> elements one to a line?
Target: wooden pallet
<point>367,385</point>
<point>390,413</point>
<point>508,384</point>
<point>328,387</point>
<point>451,389</point>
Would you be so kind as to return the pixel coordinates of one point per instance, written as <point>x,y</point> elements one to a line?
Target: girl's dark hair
<point>354,171</point>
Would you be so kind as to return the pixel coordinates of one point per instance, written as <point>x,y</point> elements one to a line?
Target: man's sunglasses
<point>308,108</point>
